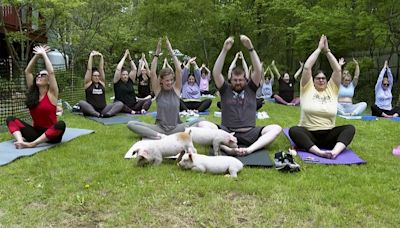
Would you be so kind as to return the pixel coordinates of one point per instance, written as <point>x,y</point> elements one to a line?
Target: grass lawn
<point>87,182</point>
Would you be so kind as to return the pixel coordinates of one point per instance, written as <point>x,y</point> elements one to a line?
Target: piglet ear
<point>190,157</point>
<point>180,156</point>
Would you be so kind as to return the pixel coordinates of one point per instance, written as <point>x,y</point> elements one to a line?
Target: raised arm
<point>29,69</point>
<point>53,87</point>
<point>140,66</point>
<point>245,67</point>
<point>155,82</point>
<point>255,60</point>
<point>219,63</point>
<point>275,70</point>
<point>308,65</point>
<point>390,76</point>
<point>88,74</point>
<point>197,73</point>
<point>132,73</point>
<point>178,70</point>
<point>117,74</point>
<point>166,64</point>
<point>203,66</point>
<point>233,65</point>
<point>356,73</point>
<point>337,70</point>
<point>101,68</point>
<point>298,72</point>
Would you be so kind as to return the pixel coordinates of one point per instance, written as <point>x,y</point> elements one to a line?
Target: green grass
<point>86,182</point>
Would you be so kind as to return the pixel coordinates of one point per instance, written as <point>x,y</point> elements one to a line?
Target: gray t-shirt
<point>167,109</point>
<point>238,110</point>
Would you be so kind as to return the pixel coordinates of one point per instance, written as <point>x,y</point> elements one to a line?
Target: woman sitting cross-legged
<point>383,95</point>
<point>191,90</point>
<point>265,90</point>
<point>286,87</point>
<point>318,109</point>
<point>346,93</point>
<point>123,88</point>
<point>41,99</point>
<point>95,91</point>
<point>167,90</point>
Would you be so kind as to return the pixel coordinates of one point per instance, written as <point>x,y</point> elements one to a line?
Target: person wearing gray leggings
<point>167,89</point>
<point>95,103</point>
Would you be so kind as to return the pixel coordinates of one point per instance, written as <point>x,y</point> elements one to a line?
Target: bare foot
<point>334,155</point>
<point>21,145</point>
<point>325,154</point>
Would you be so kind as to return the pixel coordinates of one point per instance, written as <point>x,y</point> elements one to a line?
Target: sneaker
<point>293,166</point>
<point>280,163</point>
<point>285,162</point>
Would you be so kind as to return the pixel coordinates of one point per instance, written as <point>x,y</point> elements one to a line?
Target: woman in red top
<point>41,99</point>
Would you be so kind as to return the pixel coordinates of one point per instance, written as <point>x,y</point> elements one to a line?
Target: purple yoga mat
<point>347,157</point>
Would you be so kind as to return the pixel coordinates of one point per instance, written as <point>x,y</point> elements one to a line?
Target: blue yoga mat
<point>9,153</point>
<point>347,157</point>
<point>119,119</point>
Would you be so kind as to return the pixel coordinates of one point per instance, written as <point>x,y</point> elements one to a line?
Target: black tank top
<point>96,96</point>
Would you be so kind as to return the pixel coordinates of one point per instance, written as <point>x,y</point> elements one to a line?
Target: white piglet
<point>212,164</point>
<point>214,137</point>
<point>153,151</point>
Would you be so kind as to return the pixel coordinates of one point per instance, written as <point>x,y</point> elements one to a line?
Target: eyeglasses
<point>320,78</point>
<point>385,84</point>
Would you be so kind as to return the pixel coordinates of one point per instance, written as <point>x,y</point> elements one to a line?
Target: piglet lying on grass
<point>153,151</point>
<point>212,164</point>
<point>214,137</point>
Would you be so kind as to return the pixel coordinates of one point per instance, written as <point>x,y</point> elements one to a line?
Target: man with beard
<point>238,102</point>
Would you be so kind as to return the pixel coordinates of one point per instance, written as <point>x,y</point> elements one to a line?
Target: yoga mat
<point>9,153</point>
<point>154,114</point>
<point>369,118</point>
<point>257,158</point>
<point>396,119</point>
<point>347,157</point>
<point>112,120</point>
<point>351,117</point>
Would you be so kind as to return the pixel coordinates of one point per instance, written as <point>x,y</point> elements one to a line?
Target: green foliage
<point>87,183</point>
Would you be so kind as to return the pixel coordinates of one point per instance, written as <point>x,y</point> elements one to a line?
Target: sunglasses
<point>41,75</point>
<point>386,84</point>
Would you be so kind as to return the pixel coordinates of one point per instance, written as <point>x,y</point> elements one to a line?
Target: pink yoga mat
<point>347,157</point>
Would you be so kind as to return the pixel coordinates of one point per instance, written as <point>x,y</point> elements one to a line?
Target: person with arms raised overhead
<point>95,91</point>
<point>319,97</point>
<point>238,102</point>
<point>123,88</point>
<point>41,99</point>
<point>167,90</point>
<point>383,95</point>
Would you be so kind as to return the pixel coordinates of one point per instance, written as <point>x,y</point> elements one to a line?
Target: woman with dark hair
<point>143,79</point>
<point>285,94</point>
<point>191,89</point>
<point>318,109</point>
<point>383,95</point>
<point>167,90</point>
<point>123,88</point>
<point>41,100</point>
<point>95,91</point>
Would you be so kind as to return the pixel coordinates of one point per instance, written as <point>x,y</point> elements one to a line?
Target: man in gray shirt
<point>238,102</point>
